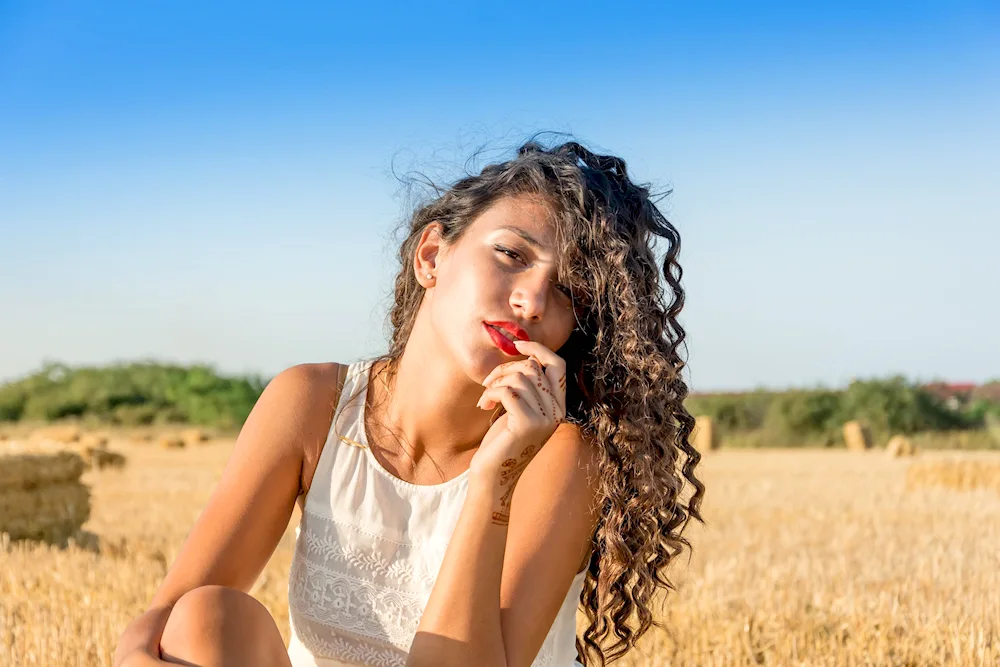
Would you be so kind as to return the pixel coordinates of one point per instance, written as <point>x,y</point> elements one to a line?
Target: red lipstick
<point>498,333</point>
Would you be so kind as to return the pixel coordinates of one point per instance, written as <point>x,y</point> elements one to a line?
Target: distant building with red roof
<point>954,394</point>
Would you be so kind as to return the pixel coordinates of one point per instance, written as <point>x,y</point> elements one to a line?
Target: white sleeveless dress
<point>367,552</point>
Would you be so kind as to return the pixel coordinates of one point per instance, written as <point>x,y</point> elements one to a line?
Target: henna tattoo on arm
<point>508,477</point>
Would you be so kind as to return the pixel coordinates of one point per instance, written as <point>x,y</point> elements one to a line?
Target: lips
<point>504,333</point>
<point>510,329</point>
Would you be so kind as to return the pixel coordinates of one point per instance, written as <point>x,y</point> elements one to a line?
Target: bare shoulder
<point>573,451</point>
<point>308,395</point>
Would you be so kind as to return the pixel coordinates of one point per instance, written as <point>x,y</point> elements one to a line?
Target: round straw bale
<point>100,457</point>
<point>193,436</point>
<point>857,436</point>
<point>706,436</point>
<point>105,458</point>
<point>900,445</point>
<point>171,441</point>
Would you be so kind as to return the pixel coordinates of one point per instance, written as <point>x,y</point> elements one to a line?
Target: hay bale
<point>857,436</point>
<point>100,457</point>
<point>94,440</point>
<point>900,445</point>
<point>957,474</point>
<point>104,458</point>
<point>52,512</point>
<point>171,441</point>
<point>193,436</point>
<point>58,432</point>
<point>27,465</point>
<point>705,435</point>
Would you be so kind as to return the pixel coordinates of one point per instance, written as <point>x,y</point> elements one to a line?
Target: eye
<point>507,251</point>
<point>513,254</point>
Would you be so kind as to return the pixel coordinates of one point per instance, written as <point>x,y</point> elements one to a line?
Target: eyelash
<point>515,255</point>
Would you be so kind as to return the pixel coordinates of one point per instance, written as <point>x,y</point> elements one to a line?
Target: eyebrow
<point>524,235</point>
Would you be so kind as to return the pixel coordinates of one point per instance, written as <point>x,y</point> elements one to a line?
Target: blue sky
<point>213,181</point>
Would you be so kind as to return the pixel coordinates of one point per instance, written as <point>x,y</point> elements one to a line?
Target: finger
<point>547,357</point>
<point>511,367</point>
<point>523,407</point>
<point>492,375</point>
<point>520,383</point>
<point>531,370</point>
<point>554,370</point>
<point>513,401</point>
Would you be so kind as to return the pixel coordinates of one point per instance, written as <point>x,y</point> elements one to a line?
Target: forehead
<point>523,213</point>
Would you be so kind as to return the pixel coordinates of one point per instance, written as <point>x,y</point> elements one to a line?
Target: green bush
<point>799,415</point>
<point>896,406</point>
<point>732,412</point>
<point>132,394</point>
<point>815,417</point>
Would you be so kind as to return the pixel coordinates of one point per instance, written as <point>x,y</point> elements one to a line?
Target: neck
<point>430,407</point>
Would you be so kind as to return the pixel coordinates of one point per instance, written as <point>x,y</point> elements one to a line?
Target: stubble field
<point>810,557</point>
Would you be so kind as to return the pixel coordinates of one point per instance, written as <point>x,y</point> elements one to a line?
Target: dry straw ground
<point>810,558</point>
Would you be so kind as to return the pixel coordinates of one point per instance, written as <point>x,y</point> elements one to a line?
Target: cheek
<point>468,296</point>
<point>479,284</point>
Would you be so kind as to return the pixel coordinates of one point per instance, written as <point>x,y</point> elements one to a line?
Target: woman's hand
<point>533,393</point>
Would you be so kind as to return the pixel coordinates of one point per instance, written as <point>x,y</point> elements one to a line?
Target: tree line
<point>153,393</point>
<point>888,406</point>
<point>132,394</point>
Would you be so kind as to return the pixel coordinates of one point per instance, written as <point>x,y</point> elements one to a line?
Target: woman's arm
<point>500,587</point>
<point>252,504</point>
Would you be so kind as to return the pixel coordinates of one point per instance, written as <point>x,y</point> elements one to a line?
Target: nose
<point>530,296</point>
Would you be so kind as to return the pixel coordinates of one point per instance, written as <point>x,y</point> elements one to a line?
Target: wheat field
<point>809,557</point>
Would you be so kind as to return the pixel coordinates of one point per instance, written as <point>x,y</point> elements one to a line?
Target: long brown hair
<point>625,389</point>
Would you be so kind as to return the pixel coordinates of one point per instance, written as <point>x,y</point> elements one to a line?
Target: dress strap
<point>357,368</point>
<point>349,415</point>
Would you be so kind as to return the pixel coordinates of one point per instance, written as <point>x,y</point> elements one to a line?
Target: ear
<point>430,248</point>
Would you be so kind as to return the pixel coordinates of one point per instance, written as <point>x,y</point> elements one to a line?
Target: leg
<point>217,626</point>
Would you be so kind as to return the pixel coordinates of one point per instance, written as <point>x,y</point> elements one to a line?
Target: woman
<point>520,450</point>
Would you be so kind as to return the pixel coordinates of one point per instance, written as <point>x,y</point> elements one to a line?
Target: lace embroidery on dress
<point>344,649</point>
<point>367,610</point>
<point>328,548</point>
<point>347,579</point>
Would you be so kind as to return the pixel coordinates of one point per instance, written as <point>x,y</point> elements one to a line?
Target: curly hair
<point>624,390</point>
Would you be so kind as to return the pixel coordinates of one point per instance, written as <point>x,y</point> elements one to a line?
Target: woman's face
<point>502,269</point>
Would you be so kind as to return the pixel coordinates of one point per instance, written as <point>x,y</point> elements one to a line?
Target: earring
<point>429,276</point>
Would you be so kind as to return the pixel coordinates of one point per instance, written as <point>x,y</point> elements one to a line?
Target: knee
<point>206,615</point>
